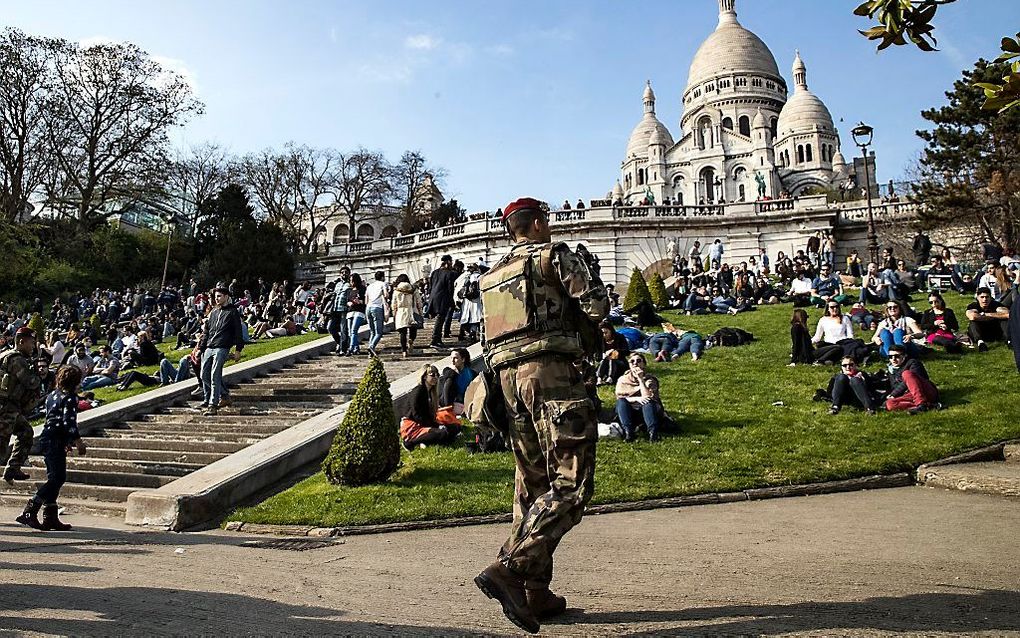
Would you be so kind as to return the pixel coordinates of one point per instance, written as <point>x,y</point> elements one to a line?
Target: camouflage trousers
<point>16,424</point>
<point>553,432</point>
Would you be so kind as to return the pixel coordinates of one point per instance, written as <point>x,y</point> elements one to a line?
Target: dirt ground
<point>912,561</point>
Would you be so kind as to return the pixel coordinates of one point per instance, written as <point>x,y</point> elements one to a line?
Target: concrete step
<point>94,477</point>
<point>101,451</point>
<point>111,493</point>
<point>991,477</point>
<point>263,426</point>
<point>161,468</point>
<point>196,417</point>
<point>173,445</point>
<point>71,506</point>
<point>316,405</point>
<point>249,411</point>
<point>197,436</point>
<point>1011,452</point>
<point>289,390</point>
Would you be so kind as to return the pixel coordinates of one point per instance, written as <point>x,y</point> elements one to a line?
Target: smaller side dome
<point>617,191</point>
<point>803,111</point>
<point>658,137</point>
<point>759,120</point>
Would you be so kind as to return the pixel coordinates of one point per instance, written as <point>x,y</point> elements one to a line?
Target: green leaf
<point>864,9</point>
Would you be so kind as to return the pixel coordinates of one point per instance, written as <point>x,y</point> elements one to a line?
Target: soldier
<point>541,306</point>
<point>19,394</point>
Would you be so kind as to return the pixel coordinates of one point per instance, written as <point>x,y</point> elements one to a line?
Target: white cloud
<point>422,42</point>
<point>95,40</point>
<point>178,67</point>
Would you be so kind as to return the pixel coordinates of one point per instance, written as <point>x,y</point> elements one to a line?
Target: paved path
<point>913,561</point>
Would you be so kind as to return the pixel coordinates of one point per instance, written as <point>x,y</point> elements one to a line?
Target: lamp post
<point>169,238</point>
<point>862,134</point>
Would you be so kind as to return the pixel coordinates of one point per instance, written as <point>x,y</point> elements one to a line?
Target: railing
<point>604,212</point>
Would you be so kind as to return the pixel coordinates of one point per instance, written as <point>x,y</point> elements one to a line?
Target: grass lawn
<point>251,351</point>
<point>733,437</point>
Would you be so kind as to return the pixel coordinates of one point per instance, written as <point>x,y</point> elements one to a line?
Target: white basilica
<point>742,136</point>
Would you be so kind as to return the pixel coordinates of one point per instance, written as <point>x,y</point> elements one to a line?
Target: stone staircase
<point>1000,476</point>
<point>151,450</point>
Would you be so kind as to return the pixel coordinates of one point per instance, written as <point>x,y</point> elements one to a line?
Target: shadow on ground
<point>155,611</point>
<point>988,610</point>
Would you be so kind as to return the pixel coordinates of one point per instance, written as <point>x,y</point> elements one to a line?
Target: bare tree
<point>25,76</point>
<point>364,182</point>
<point>312,181</point>
<point>410,181</point>
<point>264,175</point>
<point>107,120</point>
<point>196,174</point>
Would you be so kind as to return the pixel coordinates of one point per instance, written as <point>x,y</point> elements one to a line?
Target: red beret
<point>524,203</point>
<point>25,331</point>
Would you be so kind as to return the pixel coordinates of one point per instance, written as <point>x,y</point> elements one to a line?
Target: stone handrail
<point>882,210</point>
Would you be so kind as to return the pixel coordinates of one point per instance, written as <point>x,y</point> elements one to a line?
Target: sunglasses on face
<point>848,365</point>
<point>896,356</point>
<point>892,307</point>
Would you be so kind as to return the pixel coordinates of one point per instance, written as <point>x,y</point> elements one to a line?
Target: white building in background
<point>741,135</point>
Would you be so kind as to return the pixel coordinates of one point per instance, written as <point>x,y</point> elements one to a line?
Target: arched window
<point>640,176</point>
<point>727,123</point>
<point>740,193</point>
<point>774,127</point>
<point>707,185</point>
<point>340,234</point>
<point>745,125</point>
<point>389,231</point>
<point>800,154</point>
<point>365,233</point>
<point>809,158</point>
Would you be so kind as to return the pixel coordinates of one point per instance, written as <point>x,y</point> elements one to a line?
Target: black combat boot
<point>30,516</point>
<point>545,604</point>
<point>12,474</point>
<point>50,520</point>
<point>497,581</point>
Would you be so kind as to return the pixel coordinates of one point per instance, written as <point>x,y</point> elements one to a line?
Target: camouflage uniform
<point>540,303</point>
<point>19,393</point>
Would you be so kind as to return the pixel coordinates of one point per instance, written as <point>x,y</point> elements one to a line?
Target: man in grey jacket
<point>222,331</point>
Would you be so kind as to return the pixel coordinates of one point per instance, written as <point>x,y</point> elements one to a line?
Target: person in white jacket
<point>469,294</point>
<point>406,309</point>
<point>832,328</point>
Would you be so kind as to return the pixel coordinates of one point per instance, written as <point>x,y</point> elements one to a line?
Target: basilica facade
<point>743,136</point>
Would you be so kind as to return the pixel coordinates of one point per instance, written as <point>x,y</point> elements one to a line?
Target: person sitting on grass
<point>454,381</point>
<point>826,287</point>
<point>989,320</point>
<point>832,328</point>
<point>803,350</point>
<point>166,374</point>
<point>874,288</point>
<point>940,324</point>
<point>614,354</point>
<point>898,329</point>
<point>800,290</point>
<point>105,371</point>
<point>59,435</point>
<point>418,427</point>
<point>637,400</point>
<point>909,386</point>
<point>144,353</point>
<point>698,302</point>
<point>852,378</point>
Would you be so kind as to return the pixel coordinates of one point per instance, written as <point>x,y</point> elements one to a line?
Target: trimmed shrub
<point>657,290</point>
<point>37,324</point>
<point>366,447</point>
<point>637,291</point>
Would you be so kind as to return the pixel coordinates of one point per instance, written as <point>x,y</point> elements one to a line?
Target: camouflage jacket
<point>20,386</point>
<point>541,298</point>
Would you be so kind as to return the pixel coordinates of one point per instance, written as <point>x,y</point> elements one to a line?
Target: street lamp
<point>169,219</point>
<point>862,134</point>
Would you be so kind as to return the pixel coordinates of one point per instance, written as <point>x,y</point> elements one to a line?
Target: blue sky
<point>511,98</point>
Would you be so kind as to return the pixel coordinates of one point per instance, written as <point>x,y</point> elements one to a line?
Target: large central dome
<point>730,49</point>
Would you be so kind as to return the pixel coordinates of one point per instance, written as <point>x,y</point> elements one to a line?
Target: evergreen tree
<point>657,292</point>
<point>366,447</point>
<point>637,291</point>
<point>232,243</point>
<point>970,170</point>
<point>37,324</point>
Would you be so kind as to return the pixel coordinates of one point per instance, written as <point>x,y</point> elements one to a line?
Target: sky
<point>511,98</point>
